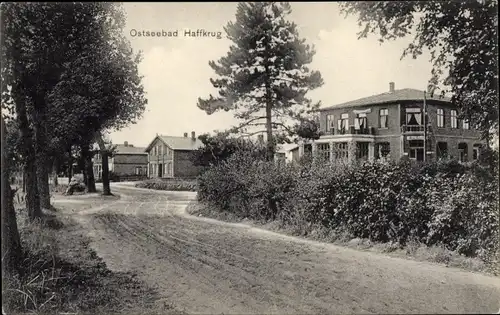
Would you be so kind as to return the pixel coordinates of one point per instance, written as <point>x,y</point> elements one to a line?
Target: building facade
<point>391,126</point>
<point>170,157</point>
<point>128,160</point>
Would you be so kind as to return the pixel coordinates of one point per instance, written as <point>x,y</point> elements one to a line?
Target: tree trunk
<point>269,117</point>
<point>81,164</point>
<point>42,169</point>
<point>28,150</point>
<point>42,174</point>
<point>11,245</point>
<point>88,170</point>
<point>24,181</point>
<point>269,128</point>
<point>32,195</point>
<point>106,189</point>
<point>56,171</point>
<point>90,175</point>
<point>70,165</point>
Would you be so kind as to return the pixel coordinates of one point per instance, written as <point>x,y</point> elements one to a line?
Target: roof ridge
<point>405,94</point>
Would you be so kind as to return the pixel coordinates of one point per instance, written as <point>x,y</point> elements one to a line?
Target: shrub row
<point>174,185</point>
<point>443,202</point>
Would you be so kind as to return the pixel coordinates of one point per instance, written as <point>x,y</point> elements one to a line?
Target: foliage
<point>462,39</point>
<point>221,146</point>
<point>61,276</point>
<point>89,98</point>
<point>436,203</point>
<point>264,77</point>
<point>166,184</point>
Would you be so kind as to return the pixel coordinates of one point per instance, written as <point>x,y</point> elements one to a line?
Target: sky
<point>176,73</point>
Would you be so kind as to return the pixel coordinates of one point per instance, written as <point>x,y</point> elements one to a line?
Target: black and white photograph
<point>335,157</point>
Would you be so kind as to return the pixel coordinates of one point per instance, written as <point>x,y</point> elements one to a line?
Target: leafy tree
<point>221,146</point>
<point>35,44</point>
<point>463,42</point>
<point>107,150</point>
<point>264,77</point>
<point>91,100</point>
<point>86,76</point>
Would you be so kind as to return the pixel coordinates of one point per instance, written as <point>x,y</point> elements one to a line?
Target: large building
<point>127,160</point>
<point>170,157</point>
<point>391,125</point>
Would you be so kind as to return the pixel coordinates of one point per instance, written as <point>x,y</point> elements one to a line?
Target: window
<point>382,149</point>
<point>360,121</point>
<point>441,149</point>
<point>384,114</point>
<point>343,123</point>
<point>416,150</point>
<point>462,152</point>
<point>475,153</point>
<point>340,150</point>
<point>465,124</point>
<point>138,170</point>
<point>168,169</point>
<point>440,117</point>
<point>454,123</point>
<point>324,151</point>
<point>330,126</point>
<point>413,116</point>
<point>362,150</point>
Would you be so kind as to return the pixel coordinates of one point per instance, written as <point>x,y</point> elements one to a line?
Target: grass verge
<point>413,250</point>
<point>60,273</point>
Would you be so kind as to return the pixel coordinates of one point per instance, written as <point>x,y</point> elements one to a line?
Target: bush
<point>173,185</point>
<point>441,203</point>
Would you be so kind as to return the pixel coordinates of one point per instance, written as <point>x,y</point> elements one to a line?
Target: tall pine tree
<point>264,77</point>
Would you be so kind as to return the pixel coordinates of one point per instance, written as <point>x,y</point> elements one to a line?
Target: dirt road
<point>206,266</point>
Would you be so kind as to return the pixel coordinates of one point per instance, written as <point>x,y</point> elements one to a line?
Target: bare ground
<point>207,266</point>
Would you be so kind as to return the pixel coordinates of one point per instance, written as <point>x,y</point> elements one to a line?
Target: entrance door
<point>160,170</point>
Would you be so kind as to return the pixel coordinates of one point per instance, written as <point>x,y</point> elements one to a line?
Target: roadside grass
<point>413,250</point>
<point>169,184</point>
<point>60,273</point>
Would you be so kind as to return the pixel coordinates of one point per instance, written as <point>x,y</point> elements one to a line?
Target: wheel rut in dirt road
<point>207,267</point>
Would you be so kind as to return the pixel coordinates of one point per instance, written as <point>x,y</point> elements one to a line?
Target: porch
<point>346,148</point>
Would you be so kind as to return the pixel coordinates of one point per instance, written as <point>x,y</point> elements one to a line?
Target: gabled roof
<point>177,143</point>
<point>390,97</point>
<point>122,149</point>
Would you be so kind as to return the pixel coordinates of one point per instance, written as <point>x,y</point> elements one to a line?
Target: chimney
<point>391,87</point>
<point>125,143</point>
<point>193,135</point>
<point>185,135</point>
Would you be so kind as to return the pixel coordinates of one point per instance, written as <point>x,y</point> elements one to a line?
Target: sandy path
<point>206,266</point>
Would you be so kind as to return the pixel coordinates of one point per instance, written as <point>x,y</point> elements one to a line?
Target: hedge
<point>442,202</point>
<point>173,185</point>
